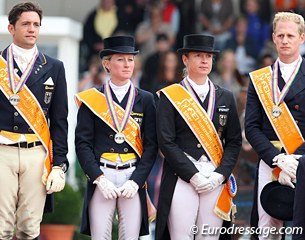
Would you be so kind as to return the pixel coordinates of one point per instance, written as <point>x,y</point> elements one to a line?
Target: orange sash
<point>203,128</point>
<point>29,108</point>
<point>284,125</point>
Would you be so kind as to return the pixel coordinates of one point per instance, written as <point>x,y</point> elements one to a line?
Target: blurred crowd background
<point>243,34</point>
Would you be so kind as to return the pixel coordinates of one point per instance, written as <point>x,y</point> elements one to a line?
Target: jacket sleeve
<point>253,128</point>
<point>166,132</point>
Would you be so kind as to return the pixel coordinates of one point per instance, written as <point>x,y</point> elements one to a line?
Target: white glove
<point>129,189</point>
<point>212,182</point>
<point>288,163</point>
<point>197,180</point>
<point>285,179</point>
<point>107,188</point>
<point>56,180</point>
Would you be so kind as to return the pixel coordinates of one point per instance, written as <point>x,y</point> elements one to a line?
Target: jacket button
<point>296,121</point>
<point>16,114</point>
<point>296,107</point>
<point>111,136</point>
<point>30,130</point>
<point>198,145</point>
<point>15,128</point>
<point>125,150</point>
<point>111,150</point>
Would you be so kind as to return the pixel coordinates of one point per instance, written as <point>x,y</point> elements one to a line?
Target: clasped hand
<point>107,188</point>
<point>206,183</point>
<point>285,179</point>
<point>56,180</point>
<point>288,163</point>
<point>129,189</point>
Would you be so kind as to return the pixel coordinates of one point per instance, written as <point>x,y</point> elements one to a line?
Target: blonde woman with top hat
<point>116,146</point>
<point>199,134</point>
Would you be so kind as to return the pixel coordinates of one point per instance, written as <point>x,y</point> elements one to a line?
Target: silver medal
<point>14,99</point>
<point>276,111</point>
<point>119,138</point>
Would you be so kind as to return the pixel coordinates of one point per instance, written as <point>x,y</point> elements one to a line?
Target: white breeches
<point>264,219</point>
<point>101,210</point>
<point>189,208</point>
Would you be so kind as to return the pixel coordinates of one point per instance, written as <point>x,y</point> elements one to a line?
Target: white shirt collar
<point>287,68</point>
<point>201,90</point>
<point>23,54</point>
<point>120,91</point>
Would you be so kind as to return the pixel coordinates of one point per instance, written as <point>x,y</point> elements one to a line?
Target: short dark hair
<point>19,8</point>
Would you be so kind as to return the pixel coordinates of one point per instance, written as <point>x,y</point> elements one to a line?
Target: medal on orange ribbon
<point>119,137</point>
<point>14,99</point>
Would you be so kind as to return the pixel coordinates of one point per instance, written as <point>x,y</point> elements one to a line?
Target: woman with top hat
<point>199,134</point>
<point>116,146</point>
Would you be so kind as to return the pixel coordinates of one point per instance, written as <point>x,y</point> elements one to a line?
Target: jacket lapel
<point>39,69</point>
<point>298,84</point>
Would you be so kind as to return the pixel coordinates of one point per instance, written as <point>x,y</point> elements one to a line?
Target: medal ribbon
<point>120,125</point>
<point>25,75</point>
<point>278,96</point>
<point>211,104</point>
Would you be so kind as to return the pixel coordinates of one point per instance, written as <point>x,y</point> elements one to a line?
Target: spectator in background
<point>147,31</point>
<point>266,60</point>
<point>265,9</point>
<point>94,77</point>
<point>100,23</point>
<point>216,18</point>
<point>137,72</point>
<point>169,71</point>
<point>243,46</point>
<point>258,29</point>
<point>285,5</point>
<point>151,64</point>
<point>188,20</point>
<point>227,74</point>
<point>171,14</point>
<point>131,13</point>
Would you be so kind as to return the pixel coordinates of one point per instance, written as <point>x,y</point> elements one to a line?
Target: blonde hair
<point>289,16</point>
<point>105,58</point>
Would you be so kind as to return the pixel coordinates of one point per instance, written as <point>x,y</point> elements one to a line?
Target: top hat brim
<point>277,200</point>
<point>186,50</point>
<point>107,52</point>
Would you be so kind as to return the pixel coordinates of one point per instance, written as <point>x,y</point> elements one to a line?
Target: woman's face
<point>120,66</point>
<point>198,64</point>
<point>171,60</point>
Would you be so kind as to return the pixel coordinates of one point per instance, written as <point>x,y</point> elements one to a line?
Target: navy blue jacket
<point>94,137</point>
<point>52,99</point>
<point>55,109</point>
<point>259,131</point>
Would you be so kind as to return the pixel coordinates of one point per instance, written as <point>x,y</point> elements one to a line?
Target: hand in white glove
<point>285,179</point>
<point>212,182</point>
<point>129,189</point>
<point>107,188</point>
<point>288,164</point>
<point>197,180</point>
<point>56,180</point>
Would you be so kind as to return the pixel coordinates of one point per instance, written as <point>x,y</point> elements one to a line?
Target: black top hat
<point>198,43</point>
<point>277,200</point>
<point>118,44</point>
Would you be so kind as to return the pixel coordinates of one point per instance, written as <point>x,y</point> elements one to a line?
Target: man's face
<point>287,40</point>
<point>26,30</point>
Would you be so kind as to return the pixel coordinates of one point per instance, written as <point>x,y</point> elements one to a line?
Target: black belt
<point>25,144</point>
<point>118,167</point>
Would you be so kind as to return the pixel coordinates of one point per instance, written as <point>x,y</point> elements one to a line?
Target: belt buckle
<point>116,166</point>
